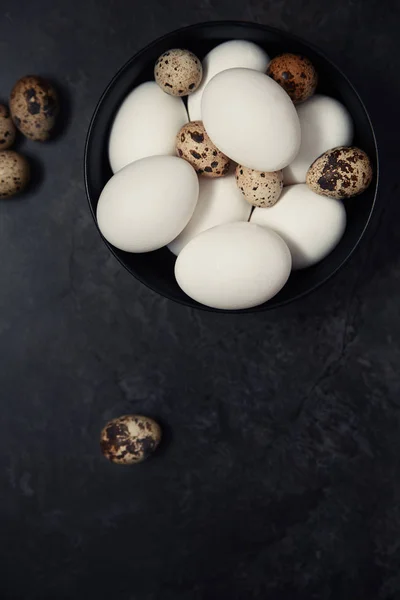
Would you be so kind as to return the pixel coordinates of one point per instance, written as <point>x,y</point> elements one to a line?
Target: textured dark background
<point>279,476</point>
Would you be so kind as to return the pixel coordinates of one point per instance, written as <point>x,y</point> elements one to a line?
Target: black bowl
<point>156,269</point>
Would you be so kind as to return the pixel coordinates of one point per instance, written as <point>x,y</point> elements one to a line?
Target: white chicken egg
<point>310,224</point>
<point>233,266</point>
<point>325,123</point>
<point>229,55</point>
<point>147,203</point>
<point>220,201</point>
<point>146,124</point>
<point>251,119</point>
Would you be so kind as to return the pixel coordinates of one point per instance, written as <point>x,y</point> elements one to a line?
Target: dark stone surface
<point>279,476</point>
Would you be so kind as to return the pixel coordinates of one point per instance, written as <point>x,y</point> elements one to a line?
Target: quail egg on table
<point>178,72</point>
<point>194,145</point>
<point>340,173</point>
<point>14,173</point>
<point>7,128</point>
<point>260,188</point>
<point>295,74</point>
<point>34,107</point>
<point>130,439</point>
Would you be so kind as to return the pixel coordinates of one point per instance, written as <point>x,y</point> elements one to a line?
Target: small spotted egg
<point>194,145</point>
<point>178,72</point>
<point>295,74</point>
<point>14,173</point>
<point>340,173</point>
<point>34,107</point>
<point>130,439</point>
<point>260,188</point>
<point>7,128</point>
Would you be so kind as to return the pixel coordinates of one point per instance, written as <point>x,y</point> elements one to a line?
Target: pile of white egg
<point>237,229</point>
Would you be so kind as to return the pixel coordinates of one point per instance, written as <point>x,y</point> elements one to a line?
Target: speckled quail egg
<point>178,72</point>
<point>14,173</point>
<point>7,128</point>
<point>34,107</point>
<point>296,74</point>
<point>130,439</point>
<point>194,145</point>
<point>260,188</point>
<point>340,173</point>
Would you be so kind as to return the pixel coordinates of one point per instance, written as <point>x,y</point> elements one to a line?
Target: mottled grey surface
<point>280,474</point>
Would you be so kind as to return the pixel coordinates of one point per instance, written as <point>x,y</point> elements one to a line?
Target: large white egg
<point>233,266</point>
<point>220,201</point>
<point>229,55</point>
<point>310,224</point>
<point>145,125</point>
<point>325,123</point>
<point>147,203</point>
<point>251,119</point>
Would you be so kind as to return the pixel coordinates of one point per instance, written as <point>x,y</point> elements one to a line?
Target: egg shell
<point>34,107</point>
<point>340,173</point>
<point>325,123</point>
<point>220,201</point>
<point>194,145</point>
<point>178,72</point>
<point>260,188</point>
<point>146,124</point>
<point>147,203</point>
<point>14,173</point>
<point>229,55</point>
<point>233,266</point>
<point>130,439</point>
<point>295,74</point>
<point>311,225</point>
<point>261,129</point>
<point>7,128</point>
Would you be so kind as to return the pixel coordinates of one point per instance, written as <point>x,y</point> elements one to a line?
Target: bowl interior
<point>156,269</point>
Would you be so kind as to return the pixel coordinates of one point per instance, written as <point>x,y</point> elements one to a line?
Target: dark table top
<point>279,476</point>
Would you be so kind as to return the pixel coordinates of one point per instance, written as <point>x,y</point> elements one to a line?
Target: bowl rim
<point>262,27</point>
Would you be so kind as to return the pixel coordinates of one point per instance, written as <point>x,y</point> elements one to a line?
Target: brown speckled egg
<point>260,188</point>
<point>7,128</point>
<point>34,107</point>
<point>194,145</point>
<point>296,74</point>
<point>340,173</point>
<point>178,72</point>
<point>14,173</point>
<point>130,439</point>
